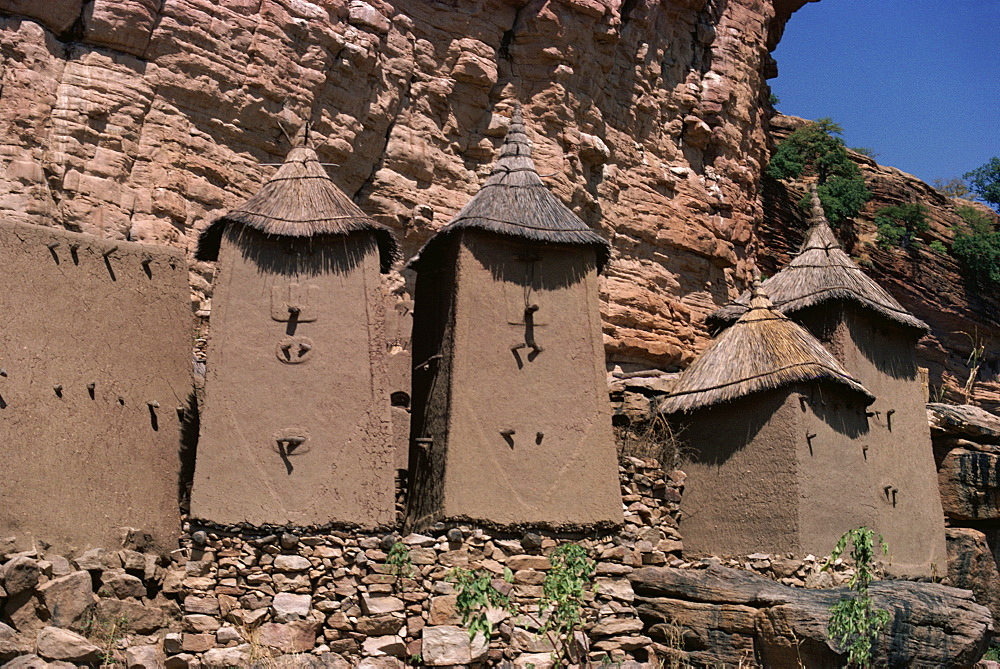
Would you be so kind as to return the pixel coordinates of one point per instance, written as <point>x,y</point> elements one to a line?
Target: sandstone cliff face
<point>931,285</point>
<point>144,120</point>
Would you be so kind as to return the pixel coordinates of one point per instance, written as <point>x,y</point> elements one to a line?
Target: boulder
<point>19,575</point>
<point>59,644</point>
<point>970,485</point>
<point>136,617</point>
<point>69,599</point>
<point>116,583</point>
<point>964,420</point>
<point>719,614</point>
<point>149,656</point>
<point>12,643</point>
<point>971,566</point>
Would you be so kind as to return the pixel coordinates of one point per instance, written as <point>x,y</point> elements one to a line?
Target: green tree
<point>817,150</point>
<point>899,225</point>
<point>977,247</point>
<point>984,181</point>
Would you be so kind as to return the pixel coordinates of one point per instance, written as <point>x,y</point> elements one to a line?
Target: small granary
<point>295,428</point>
<point>773,433</point>
<point>874,338</point>
<point>511,423</point>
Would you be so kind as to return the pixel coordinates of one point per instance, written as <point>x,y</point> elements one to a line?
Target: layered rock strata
<point>132,119</point>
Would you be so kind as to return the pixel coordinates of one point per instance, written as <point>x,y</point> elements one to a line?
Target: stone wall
<point>229,599</point>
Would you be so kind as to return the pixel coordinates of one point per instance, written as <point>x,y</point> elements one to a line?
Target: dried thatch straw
<point>300,200</point>
<point>821,272</point>
<point>762,351</point>
<point>514,202</point>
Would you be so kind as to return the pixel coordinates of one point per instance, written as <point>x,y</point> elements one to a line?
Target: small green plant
<point>106,633</point>
<point>773,99</point>
<point>938,247</point>
<point>562,594</point>
<point>898,225</point>
<point>855,622</point>
<point>398,561</point>
<point>476,596</point>
<point>865,151</point>
<point>992,654</point>
<point>974,362</point>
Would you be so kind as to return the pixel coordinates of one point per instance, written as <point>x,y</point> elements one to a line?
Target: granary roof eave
<point>670,406</point>
<point>514,202</point>
<point>210,241</point>
<point>300,200</point>
<point>729,314</point>
<point>763,350</point>
<point>432,248</point>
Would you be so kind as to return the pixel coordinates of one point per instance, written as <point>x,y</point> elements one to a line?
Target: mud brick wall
<point>95,350</point>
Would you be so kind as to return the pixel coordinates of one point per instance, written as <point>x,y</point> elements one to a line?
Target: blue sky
<point>917,81</point>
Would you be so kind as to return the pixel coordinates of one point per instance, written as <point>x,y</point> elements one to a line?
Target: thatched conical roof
<point>821,272</point>
<point>514,202</point>
<point>300,200</point>
<point>762,351</point>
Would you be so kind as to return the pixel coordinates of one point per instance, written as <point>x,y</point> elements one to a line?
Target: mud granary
<point>874,338</point>
<point>773,428</point>
<point>296,428</point>
<point>511,423</point>
<point>94,384</point>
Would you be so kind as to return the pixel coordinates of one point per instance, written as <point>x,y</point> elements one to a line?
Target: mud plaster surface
<point>528,435</point>
<point>334,395</point>
<point>907,500</point>
<point>79,466</point>
<point>758,482</point>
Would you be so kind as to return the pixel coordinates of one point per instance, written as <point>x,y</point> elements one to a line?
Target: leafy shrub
<point>855,622</point>
<point>978,248</point>
<point>899,225</point>
<point>817,150</point>
<point>984,181</point>
<point>938,247</point>
<point>476,596</point>
<point>979,222</point>
<point>562,593</point>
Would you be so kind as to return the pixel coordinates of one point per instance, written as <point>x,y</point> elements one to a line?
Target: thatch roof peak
<point>300,200</point>
<point>764,350</point>
<point>514,202</point>
<point>821,272</point>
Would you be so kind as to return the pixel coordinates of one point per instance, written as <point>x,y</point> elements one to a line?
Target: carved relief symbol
<point>528,316</point>
<point>294,350</point>
<point>289,443</point>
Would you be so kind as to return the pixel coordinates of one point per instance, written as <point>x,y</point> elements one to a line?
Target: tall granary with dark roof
<point>511,423</point>
<point>773,431</point>
<point>295,429</point>
<point>874,338</point>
